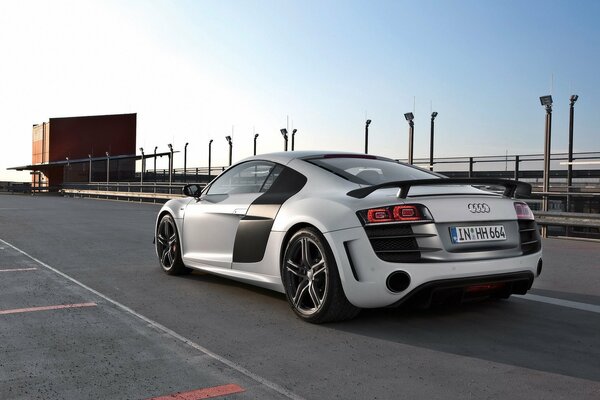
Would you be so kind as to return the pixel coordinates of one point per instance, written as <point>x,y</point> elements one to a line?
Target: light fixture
<point>546,101</point>
<point>409,116</point>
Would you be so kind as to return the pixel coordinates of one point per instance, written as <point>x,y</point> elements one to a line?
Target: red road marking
<point>18,269</point>
<point>206,393</point>
<point>46,308</point>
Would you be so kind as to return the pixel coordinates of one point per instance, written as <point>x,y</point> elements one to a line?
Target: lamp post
<point>185,162</point>
<point>68,168</point>
<point>284,133</point>
<point>90,169</point>
<point>433,115</point>
<point>155,148</point>
<point>570,164</point>
<point>367,123</point>
<point>255,137</point>
<point>293,134</point>
<point>170,165</point>
<point>209,155</point>
<point>546,101</point>
<point>228,138</point>
<point>142,172</point>
<point>411,135</point>
<point>107,167</point>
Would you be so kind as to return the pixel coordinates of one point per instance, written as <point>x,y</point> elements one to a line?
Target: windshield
<point>369,170</point>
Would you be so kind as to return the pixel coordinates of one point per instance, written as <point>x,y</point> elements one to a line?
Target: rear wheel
<point>168,248</point>
<point>311,279</point>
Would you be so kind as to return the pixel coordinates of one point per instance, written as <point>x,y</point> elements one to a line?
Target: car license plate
<point>483,233</point>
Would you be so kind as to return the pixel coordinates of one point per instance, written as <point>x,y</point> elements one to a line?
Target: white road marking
<point>560,302</point>
<point>17,269</point>
<point>277,388</point>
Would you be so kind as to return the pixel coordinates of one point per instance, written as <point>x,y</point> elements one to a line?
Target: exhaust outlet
<point>539,267</point>
<point>398,281</point>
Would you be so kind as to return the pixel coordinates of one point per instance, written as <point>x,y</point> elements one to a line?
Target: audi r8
<point>337,232</point>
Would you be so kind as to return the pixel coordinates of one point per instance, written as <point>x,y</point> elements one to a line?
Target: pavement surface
<point>86,312</point>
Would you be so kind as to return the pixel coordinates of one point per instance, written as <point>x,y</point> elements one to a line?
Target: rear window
<point>370,171</point>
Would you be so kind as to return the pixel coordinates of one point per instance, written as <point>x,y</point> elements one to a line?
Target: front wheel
<point>311,279</point>
<point>168,247</point>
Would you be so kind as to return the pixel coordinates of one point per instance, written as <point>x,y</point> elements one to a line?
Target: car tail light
<point>523,211</point>
<point>406,213</point>
<point>400,213</point>
<point>379,215</point>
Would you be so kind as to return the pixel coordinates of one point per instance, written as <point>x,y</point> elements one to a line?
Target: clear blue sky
<point>193,69</point>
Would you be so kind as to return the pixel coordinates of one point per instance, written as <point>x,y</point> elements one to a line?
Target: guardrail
<point>163,193</point>
<point>567,219</point>
<point>125,191</point>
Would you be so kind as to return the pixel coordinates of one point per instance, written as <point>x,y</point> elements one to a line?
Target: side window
<point>248,177</point>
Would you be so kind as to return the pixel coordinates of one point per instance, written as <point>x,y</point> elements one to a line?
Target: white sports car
<point>337,232</point>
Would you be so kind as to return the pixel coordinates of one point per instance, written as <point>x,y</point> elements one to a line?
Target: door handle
<point>240,211</point>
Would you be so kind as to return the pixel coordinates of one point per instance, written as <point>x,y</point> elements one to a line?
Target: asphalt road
<point>522,348</point>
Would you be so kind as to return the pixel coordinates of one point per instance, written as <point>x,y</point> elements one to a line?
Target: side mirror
<point>192,190</point>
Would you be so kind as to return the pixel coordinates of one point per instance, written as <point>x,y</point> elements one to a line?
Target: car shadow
<point>515,332</point>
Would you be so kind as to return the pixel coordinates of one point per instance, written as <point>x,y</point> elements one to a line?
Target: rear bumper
<point>460,290</point>
<point>364,275</point>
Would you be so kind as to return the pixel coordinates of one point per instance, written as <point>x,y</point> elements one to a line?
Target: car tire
<point>168,247</point>
<point>311,279</point>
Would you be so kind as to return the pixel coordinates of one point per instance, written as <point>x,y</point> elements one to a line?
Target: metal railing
<point>155,192</point>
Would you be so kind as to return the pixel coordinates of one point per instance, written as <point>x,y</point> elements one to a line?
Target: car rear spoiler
<point>510,187</point>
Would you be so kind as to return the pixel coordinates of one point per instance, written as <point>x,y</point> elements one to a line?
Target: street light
<point>170,146</point>
<point>90,169</point>
<point>185,162</point>
<point>107,167</point>
<point>209,156</point>
<point>573,99</point>
<point>68,168</point>
<point>142,173</point>
<point>546,101</point>
<point>433,115</point>
<point>411,135</point>
<point>230,148</point>
<point>255,137</point>
<point>284,133</point>
<point>367,136</point>
<point>293,134</point>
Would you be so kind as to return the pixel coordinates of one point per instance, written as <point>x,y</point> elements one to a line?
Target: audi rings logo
<point>478,208</point>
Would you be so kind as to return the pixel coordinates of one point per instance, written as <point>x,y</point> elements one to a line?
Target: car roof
<point>284,157</point>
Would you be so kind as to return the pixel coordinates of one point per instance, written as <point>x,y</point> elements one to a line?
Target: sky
<point>200,70</point>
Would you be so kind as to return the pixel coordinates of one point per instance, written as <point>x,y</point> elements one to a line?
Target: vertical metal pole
<point>142,173</point>
<point>185,163</point>
<point>90,170</point>
<point>255,137</point>
<point>367,137</point>
<point>293,136</point>
<point>547,150</point>
<point>411,136</point>
<point>517,161</point>
<point>230,151</point>
<point>209,156</point>
<point>170,169</point>
<point>107,168</point>
<point>155,177</point>
<point>470,167</point>
<point>431,145</point>
<point>285,138</point>
<point>570,164</point>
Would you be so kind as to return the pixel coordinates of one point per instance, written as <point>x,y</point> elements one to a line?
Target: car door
<point>211,222</point>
